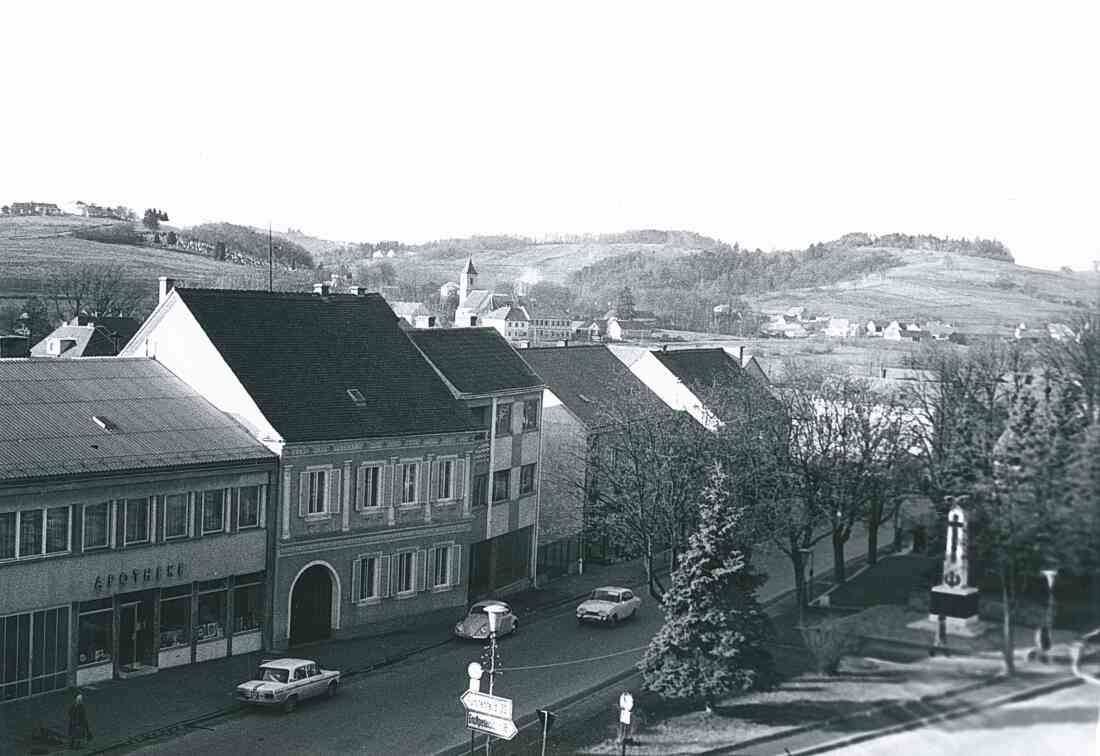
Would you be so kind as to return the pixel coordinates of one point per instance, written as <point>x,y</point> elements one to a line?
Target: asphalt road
<point>413,707</point>
<point>1064,722</point>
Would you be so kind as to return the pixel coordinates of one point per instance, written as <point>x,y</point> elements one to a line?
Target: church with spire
<point>481,307</point>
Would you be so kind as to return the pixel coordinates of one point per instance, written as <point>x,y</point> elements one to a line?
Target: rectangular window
<point>441,569</point>
<point>247,613</point>
<point>34,653</point>
<point>30,533</point>
<point>95,628</point>
<point>137,520</point>
<point>175,617</point>
<point>177,519</point>
<point>481,490</point>
<point>213,511</point>
<point>371,495</point>
<point>7,535</point>
<point>408,482</point>
<point>57,530</point>
<point>405,572</point>
<point>97,526</point>
<point>527,478</point>
<point>481,416</point>
<point>368,578</point>
<point>317,484</point>
<point>211,616</point>
<point>248,507</point>
<point>445,487</point>
<point>530,414</point>
<point>500,484</point>
<point>504,419</point>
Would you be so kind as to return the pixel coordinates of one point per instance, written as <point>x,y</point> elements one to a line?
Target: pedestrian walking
<point>79,729</point>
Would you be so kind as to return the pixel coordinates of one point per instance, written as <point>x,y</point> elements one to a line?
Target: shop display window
<point>247,613</point>
<point>34,652</point>
<point>96,627</point>
<point>175,617</point>
<point>210,624</point>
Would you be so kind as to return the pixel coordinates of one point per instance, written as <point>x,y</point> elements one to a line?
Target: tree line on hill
<point>227,238</point>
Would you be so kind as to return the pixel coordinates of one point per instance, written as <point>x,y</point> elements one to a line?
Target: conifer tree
<point>712,642</point>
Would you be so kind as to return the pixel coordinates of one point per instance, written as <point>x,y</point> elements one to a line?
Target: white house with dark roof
<point>134,522</point>
<point>374,508</point>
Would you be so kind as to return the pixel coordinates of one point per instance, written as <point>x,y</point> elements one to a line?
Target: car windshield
<point>271,674</point>
<point>604,596</point>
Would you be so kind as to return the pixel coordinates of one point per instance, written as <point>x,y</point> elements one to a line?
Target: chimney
<point>321,288</point>
<point>357,291</point>
<point>166,286</point>
<point>741,355</point>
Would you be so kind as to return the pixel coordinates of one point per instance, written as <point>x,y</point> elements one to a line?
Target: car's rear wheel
<point>290,704</point>
<point>614,619</point>
<point>332,688</point>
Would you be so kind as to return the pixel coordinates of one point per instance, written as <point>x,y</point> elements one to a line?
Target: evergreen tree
<point>712,642</point>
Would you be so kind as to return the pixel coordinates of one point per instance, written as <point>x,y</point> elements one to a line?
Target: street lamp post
<point>1046,631</point>
<point>494,611</point>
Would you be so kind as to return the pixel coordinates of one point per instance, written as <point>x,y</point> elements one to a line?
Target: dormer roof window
<point>357,397</point>
<point>104,423</point>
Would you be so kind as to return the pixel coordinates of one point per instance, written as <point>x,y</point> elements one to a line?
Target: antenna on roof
<point>270,261</point>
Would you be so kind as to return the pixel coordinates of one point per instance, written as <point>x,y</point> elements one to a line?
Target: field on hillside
<point>981,295</point>
<point>33,248</point>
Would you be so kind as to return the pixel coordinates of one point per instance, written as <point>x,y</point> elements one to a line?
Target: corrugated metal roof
<point>47,408</point>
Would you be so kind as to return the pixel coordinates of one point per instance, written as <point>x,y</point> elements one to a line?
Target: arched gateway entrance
<point>312,614</point>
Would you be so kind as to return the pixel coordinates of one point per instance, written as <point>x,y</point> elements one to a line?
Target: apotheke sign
<point>137,578</point>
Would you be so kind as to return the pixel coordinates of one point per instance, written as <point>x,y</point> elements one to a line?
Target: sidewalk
<point>125,712</point>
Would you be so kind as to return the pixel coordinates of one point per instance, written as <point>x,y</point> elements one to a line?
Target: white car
<point>475,625</point>
<point>286,682</point>
<point>608,605</point>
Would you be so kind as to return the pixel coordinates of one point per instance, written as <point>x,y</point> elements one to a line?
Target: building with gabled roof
<point>134,523</point>
<point>588,392</point>
<point>374,513</point>
<point>85,336</point>
<point>504,395</point>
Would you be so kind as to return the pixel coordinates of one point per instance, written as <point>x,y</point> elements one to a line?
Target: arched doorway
<point>311,605</point>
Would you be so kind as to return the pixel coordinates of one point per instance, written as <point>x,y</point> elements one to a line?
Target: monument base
<point>970,627</point>
<point>958,607</point>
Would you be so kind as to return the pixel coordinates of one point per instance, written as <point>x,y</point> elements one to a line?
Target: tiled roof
<point>148,419</point>
<point>593,383</point>
<point>508,312</point>
<point>476,360</point>
<point>700,367</point>
<point>298,354</point>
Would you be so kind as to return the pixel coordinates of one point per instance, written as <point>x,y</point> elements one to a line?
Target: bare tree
<point>94,289</point>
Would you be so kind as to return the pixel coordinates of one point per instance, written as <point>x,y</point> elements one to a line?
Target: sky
<point>771,124</point>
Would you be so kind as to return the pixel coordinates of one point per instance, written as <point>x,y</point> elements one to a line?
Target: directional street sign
<point>490,706</point>
<point>501,728</point>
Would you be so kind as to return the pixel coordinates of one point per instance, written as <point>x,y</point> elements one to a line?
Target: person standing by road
<point>79,729</point>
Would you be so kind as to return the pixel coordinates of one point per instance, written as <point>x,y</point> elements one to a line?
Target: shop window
<point>500,484</point>
<point>445,487</point>
<point>213,511</point>
<point>58,520</point>
<point>248,507</point>
<point>34,652</point>
<point>408,482</point>
<point>137,520</point>
<point>7,535</point>
<point>211,619</point>
<point>177,516</point>
<point>95,641</point>
<point>97,526</point>
<point>530,414</point>
<point>504,420</point>
<point>441,566</point>
<point>405,567</point>
<point>247,607</point>
<point>175,617</point>
<point>527,478</point>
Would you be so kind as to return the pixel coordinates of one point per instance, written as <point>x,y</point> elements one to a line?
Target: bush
<point>829,642</point>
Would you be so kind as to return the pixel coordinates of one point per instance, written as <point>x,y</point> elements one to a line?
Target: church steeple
<point>467,280</point>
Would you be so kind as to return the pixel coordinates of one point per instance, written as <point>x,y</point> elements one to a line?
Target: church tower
<point>467,280</point>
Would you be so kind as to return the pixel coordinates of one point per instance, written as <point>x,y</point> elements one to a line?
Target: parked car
<point>286,682</point>
<point>475,625</point>
<point>609,604</point>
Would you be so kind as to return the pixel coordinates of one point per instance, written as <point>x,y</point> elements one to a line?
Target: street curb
<point>962,711</point>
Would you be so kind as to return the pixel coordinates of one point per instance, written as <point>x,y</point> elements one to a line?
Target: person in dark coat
<point>79,729</point>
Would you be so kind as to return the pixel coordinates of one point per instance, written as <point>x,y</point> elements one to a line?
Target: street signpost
<point>490,725</point>
<point>490,706</point>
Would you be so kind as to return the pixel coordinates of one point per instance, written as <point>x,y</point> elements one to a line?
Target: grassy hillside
<point>33,248</point>
<point>986,295</point>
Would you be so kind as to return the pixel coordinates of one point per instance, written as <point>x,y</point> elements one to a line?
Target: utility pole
<point>270,260</point>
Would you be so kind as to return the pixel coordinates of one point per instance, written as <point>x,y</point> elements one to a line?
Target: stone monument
<point>954,599</point>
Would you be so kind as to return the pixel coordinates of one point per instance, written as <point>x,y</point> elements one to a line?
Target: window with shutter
<point>356,590</point>
<point>334,491</point>
<point>387,571</point>
<point>456,565</point>
<point>421,559</point>
<point>460,479</point>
